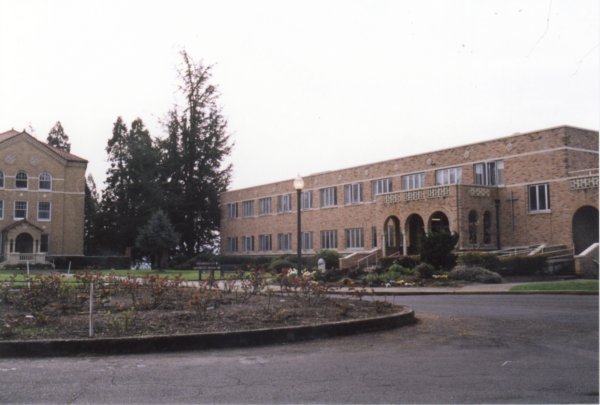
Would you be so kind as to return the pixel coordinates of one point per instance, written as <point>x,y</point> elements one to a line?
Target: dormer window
<point>45,181</point>
<point>21,180</point>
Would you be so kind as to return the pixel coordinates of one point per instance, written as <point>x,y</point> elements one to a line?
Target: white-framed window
<point>264,206</point>
<point>307,200</point>
<point>328,197</point>
<point>307,241</point>
<point>1,179</point>
<point>452,175</point>
<point>21,179</point>
<point>354,238</point>
<point>232,244</point>
<point>248,208</point>
<point>489,173</point>
<point>353,193</point>
<point>413,181</point>
<point>329,239</point>
<point>232,210</point>
<point>382,186</point>
<point>284,203</point>
<point>45,181</point>
<point>1,209</point>
<point>284,241</point>
<point>44,210</point>
<point>539,197</point>
<point>248,243</point>
<point>265,243</point>
<point>20,210</point>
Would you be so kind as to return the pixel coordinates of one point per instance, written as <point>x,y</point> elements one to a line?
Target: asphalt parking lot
<point>464,349</point>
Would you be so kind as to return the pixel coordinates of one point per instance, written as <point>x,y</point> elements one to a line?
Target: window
<point>264,243</point>
<point>473,227</point>
<point>353,193</point>
<point>382,186</point>
<point>489,173</point>
<point>451,175</point>
<point>374,236</point>
<point>487,227</point>
<point>248,208</point>
<point>1,209</point>
<point>232,210</point>
<point>539,198</point>
<point>20,209</point>
<point>307,240</point>
<point>248,243</point>
<point>284,203</point>
<point>44,209</point>
<point>285,241</point>
<point>328,197</point>
<point>306,200</point>
<point>329,239</point>
<point>1,179</point>
<point>21,180</point>
<point>232,244</point>
<point>413,181</point>
<point>45,181</point>
<point>44,243</point>
<point>354,238</point>
<point>264,206</point>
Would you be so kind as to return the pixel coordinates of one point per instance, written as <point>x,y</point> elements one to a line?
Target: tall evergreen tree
<point>58,138</point>
<point>192,158</point>
<point>156,238</point>
<point>91,208</point>
<point>132,189</point>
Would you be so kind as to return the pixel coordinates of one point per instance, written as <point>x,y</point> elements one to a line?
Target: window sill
<point>540,212</point>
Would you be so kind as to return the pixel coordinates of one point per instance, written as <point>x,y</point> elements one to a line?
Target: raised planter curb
<point>203,341</point>
<point>407,293</point>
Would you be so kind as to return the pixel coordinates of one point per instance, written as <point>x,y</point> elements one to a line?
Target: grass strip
<point>565,285</point>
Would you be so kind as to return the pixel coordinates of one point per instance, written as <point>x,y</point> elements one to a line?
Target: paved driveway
<point>465,349</point>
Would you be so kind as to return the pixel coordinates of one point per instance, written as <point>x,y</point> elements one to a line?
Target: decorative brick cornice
<point>584,183</point>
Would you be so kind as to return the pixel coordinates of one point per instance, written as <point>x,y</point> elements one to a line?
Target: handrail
<point>374,252</point>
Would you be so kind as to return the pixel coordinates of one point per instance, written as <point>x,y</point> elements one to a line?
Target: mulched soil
<point>115,317</point>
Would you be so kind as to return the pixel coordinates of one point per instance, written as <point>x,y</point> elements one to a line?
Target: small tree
<point>436,249</point>
<point>156,238</point>
<point>58,138</point>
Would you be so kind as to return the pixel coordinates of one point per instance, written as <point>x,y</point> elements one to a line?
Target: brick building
<point>42,192</point>
<point>525,189</point>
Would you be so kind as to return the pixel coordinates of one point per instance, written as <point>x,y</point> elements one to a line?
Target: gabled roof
<point>5,136</point>
<point>21,222</point>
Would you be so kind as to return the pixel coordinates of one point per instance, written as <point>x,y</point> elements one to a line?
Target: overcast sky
<point>306,86</point>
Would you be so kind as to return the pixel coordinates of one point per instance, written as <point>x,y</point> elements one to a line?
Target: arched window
<point>1,179</point>
<point>487,227</point>
<point>45,181</point>
<point>473,227</point>
<point>21,179</point>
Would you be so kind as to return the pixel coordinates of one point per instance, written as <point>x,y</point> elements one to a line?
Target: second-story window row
<point>489,173</point>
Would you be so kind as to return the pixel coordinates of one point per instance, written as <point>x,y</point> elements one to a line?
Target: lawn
<point>565,285</point>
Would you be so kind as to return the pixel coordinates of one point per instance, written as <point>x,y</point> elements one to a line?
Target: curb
<point>204,341</point>
<point>406,293</point>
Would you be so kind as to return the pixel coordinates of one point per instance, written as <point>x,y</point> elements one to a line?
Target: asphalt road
<point>465,349</point>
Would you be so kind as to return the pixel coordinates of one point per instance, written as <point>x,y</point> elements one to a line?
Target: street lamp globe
<point>298,183</point>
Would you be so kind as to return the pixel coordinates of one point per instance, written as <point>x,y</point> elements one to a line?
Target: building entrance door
<point>416,228</point>
<point>24,243</point>
<point>585,228</point>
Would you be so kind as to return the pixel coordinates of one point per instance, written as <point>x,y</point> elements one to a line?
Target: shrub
<point>522,265</point>
<point>488,261</point>
<point>90,262</point>
<point>404,261</point>
<point>425,270</point>
<point>436,249</point>
<point>331,257</point>
<point>474,273</point>
<point>400,270</point>
<point>280,264</point>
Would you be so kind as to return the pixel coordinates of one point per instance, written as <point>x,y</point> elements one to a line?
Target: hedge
<point>90,262</point>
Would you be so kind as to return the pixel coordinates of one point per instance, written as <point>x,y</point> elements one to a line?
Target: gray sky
<point>306,86</point>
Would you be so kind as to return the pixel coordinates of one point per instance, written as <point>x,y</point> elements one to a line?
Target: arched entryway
<point>393,235</point>
<point>415,228</point>
<point>24,243</point>
<point>438,222</point>
<point>585,228</point>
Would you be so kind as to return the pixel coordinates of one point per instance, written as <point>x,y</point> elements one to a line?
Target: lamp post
<point>299,185</point>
